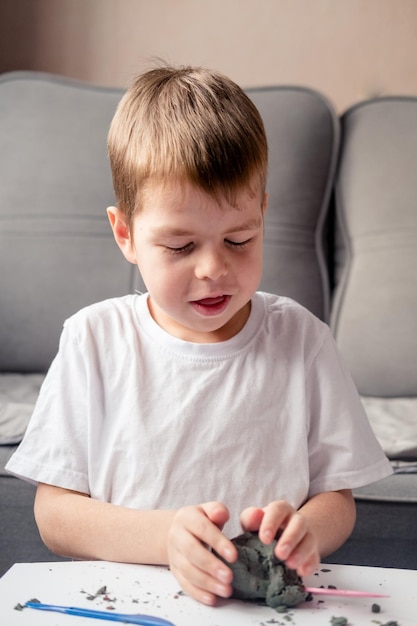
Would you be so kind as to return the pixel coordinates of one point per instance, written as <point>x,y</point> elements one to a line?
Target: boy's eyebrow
<point>163,231</point>
<point>251,224</point>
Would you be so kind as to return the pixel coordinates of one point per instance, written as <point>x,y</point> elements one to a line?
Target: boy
<point>170,420</point>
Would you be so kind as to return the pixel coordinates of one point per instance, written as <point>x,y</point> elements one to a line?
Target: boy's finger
<point>251,518</point>
<point>217,513</point>
<point>208,571</point>
<point>201,586</point>
<point>276,516</point>
<point>305,558</point>
<point>207,529</point>
<point>202,536</point>
<point>293,534</point>
<point>225,548</point>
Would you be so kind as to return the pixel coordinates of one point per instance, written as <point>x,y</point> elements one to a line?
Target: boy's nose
<point>211,265</point>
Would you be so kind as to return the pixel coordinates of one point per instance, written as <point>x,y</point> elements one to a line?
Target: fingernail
<point>207,599</point>
<point>229,555</point>
<point>222,591</point>
<point>224,575</point>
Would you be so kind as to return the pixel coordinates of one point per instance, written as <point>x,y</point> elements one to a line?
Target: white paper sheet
<point>154,591</point>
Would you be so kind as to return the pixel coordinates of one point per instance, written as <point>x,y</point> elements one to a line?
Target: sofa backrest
<point>57,252</point>
<point>303,135</point>
<point>374,316</point>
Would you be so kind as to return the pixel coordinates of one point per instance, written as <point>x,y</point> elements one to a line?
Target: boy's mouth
<point>211,306</point>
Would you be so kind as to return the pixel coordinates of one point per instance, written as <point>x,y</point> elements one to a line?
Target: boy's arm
<point>73,524</point>
<point>318,528</point>
<point>331,516</point>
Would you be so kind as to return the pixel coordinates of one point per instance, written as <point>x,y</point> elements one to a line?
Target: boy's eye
<point>181,249</point>
<point>187,248</point>
<point>237,244</point>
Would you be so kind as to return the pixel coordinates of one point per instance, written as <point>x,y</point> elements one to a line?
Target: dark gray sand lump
<point>258,575</point>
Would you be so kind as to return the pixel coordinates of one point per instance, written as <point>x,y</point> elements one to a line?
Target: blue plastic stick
<point>126,618</point>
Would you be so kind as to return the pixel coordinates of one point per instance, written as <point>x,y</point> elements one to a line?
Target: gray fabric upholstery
<point>384,536</point>
<point>18,394</point>
<point>374,316</point>
<point>396,488</point>
<point>303,135</point>
<point>394,422</point>
<point>57,252</point>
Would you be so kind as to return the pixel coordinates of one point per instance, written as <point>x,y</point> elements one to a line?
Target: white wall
<point>348,49</point>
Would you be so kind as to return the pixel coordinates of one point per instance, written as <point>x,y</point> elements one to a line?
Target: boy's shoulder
<point>103,312</point>
<point>293,323</point>
<point>283,307</point>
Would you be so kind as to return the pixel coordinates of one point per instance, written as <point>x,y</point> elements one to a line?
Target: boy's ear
<point>121,232</point>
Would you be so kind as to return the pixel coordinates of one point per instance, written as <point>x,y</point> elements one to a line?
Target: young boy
<point>171,420</point>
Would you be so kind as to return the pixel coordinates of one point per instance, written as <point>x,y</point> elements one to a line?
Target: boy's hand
<point>297,545</point>
<point>193,532</point>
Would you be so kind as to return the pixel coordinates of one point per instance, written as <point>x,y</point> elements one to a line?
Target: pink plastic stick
<point>325,591</point>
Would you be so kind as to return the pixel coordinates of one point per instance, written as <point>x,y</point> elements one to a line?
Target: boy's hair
<point>188,124</point>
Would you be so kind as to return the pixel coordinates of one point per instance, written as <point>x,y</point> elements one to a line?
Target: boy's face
<point>200,262</point>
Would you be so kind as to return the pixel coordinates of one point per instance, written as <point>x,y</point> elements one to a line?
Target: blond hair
<point>186,124</point>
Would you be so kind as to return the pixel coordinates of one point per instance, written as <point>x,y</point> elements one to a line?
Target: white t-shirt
<point>134,416</point>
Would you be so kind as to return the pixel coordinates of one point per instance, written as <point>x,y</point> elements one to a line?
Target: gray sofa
<point>341,238</point>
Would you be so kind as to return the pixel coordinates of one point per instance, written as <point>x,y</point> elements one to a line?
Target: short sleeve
<point>343,450</point>
<point>54,448</point>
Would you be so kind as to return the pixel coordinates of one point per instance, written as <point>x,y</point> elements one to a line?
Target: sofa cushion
<point>394,421</point>
<point>18,394</point>
<point>303,135</point>
<point>374,313</point>
<point>57,252</point>
<point>399,487</point>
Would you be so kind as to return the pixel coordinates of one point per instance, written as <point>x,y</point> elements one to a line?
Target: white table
<point>154,590</point>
